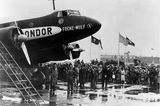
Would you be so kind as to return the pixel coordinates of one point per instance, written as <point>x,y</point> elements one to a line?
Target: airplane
<point>47,38</point>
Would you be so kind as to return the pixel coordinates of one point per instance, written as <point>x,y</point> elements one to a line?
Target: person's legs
<point>102,83</point>
<point>68,87</point>
<point>106,83</point>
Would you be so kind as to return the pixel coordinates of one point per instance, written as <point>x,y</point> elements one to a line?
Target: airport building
<point>129,59</point>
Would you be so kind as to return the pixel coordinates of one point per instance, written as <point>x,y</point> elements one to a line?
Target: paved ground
<point>115,95</point>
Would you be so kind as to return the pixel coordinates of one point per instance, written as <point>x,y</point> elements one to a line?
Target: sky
<point>139,20</point>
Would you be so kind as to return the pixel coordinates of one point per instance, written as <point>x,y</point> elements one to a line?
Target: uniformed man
<point>158,80</point>
<point>53,78</point>
<point>123,73</point>
<point>82,76</point>
<point>76,71</point>
<point>70,79</point>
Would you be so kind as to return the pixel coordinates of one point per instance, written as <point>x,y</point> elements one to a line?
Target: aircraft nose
<point>93,25</point>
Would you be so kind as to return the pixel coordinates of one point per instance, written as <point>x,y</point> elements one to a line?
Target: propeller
<point>74,48</point>
<point>22,38</point>
<point>70,47</point>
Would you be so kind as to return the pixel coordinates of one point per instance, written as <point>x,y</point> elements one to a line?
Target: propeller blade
<point>78,49</point>
<point>71,57</point>
<point>17,27</point>
<point>24,48</point>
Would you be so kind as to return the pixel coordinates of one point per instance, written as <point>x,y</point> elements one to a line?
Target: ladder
<point>18,77</point>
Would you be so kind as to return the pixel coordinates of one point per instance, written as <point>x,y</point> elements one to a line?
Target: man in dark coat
<point>37,78</point>
<point>82,76</point>
<point>104,76</point>
<point>93,77</point>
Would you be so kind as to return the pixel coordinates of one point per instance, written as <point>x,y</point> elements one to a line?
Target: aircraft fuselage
<point>46,35</point>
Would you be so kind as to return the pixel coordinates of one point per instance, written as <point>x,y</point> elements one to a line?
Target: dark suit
<point>105,76</point>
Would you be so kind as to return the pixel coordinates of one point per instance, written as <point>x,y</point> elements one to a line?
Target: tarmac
<point>114,95</point>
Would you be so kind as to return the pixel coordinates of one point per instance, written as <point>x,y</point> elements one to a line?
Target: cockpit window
<point>73,13</point>
<point>64,13</point>
<point>68,13</point>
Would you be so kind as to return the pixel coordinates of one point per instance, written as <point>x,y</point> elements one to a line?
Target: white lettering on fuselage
<point>39,32</point>
<point>79,27</point>
<point>68,28</point>
<point>72,28</point>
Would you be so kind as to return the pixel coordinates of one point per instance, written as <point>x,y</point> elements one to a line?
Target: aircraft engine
<point>18,35</point>
<point>12,34</point>
<point>74,49</point>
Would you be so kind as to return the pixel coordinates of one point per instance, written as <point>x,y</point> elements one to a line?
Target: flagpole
<point>96,42</point>
<point>90,47</point>
<point>99,53</point>
<point>118,50</point>
<point>100,47</point>
<point>125,55</point>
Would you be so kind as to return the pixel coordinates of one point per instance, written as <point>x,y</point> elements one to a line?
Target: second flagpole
<point>90,48</point>
<point>118,51</point>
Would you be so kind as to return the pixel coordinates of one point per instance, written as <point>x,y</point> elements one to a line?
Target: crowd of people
<point>98,72</point>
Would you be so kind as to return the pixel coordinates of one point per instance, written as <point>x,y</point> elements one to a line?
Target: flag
<point>129,42</point>
<point>122,40</point>
<point>96,41</point>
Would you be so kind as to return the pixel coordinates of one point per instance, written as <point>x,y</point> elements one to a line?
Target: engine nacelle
<point>74,49</point>
<point>18,35</point>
